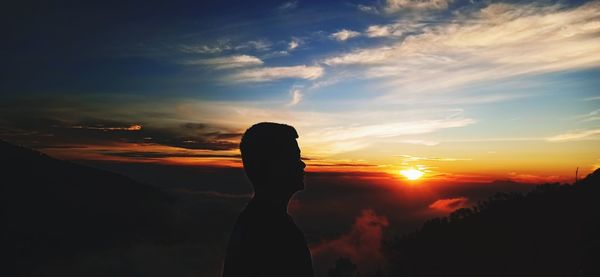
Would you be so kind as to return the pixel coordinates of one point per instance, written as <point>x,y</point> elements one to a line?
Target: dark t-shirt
<point>266,242</point>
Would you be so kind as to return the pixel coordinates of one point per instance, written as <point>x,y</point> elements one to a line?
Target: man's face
<point>287,170</point>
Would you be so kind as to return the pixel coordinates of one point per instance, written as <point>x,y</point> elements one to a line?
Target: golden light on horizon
<point>412,174</point>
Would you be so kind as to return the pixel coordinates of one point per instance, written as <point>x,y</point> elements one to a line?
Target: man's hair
<point>261,144</point>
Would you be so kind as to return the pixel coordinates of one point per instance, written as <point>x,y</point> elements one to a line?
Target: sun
<point>412,174</point>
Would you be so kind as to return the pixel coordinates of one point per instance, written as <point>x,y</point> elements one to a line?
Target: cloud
<point>227,62</point>
<point>591,116</point>
<point>395,129</point>
<point>594,98</point>
<point>280,53</point>
<point>43,131</point>
<point>449,204</point>
<point>576,135</point>
<point>288,6</point>
<point>436,159</point>
<point>400,5</point>
<point>499,41</point>
<point>101,127</point>
<point>344,34</point>
<point>342,137</point>
<point>362,56</point>
<point>383,31</point>
<point>226,45</point>
<point>159,155</point>
<point>362,244</point>
<point>394,29</point>
<point>275,73</point>
<point>205,49</point>
<point>293,44</point>
<point>258,45</point>
<point>529,178</point>
<point>420,142</point>
<point>296,97</point>
<point>367,9</point>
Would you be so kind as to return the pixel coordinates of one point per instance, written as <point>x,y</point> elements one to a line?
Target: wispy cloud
<point>592,98</point>
<point>370,56</point>
<point>392,30</point>
<point>288,6</point>
<point>420,142</point>
<point>535,178</point>
<point>367,9</point>
<point>275,73</point>
<point>395,129</point>
<point>227,62</point>
<point>296,97</point>
<point>205,49</point>
<point>347,138</point>
<point>576,135</point>
<point>258,45</point>
<point>344,35</point>
<point>591,116</point>
<point>280,53</point>
<point>399,5</point>
<point>431,159</point>
<point>449,204</point>
<point>294,43</point>
<point>499,41</point>
<point>226,45</point>
<point>170,154</point>
<point>102,127</point>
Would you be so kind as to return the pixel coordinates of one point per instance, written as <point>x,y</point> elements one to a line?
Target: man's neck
<point>274,202</point>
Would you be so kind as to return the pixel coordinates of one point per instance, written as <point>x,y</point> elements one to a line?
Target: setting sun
<point>412,174</point>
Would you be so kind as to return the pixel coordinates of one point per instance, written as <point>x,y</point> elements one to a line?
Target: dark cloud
<point>194,126</point>
<point>341,164</point>
<point>154,155</point>
<point>46,132</point>
<point>236,136</point>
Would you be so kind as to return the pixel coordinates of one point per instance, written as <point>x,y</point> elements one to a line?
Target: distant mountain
<point>553,230</point>
<point>54,210</point>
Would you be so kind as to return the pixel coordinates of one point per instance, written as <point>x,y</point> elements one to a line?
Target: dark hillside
<point>550,231</point>
<point>54,210</point>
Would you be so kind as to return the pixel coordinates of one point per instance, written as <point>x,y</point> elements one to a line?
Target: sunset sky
<point>475,96</point>
<point>457,89</point>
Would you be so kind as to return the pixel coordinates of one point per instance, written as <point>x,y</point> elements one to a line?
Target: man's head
<point>271,158</point>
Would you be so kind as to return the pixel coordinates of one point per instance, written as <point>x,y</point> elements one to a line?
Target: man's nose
<point>302,164</point>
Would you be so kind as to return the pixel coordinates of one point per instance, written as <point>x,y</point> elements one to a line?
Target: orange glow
<point>412,174</point>
<point>135,127</point>
<point>447,166</point>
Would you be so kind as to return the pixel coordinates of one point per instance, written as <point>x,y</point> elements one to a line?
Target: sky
<point>506,89</point>
<point>457,89</point>
<point>479,96</point>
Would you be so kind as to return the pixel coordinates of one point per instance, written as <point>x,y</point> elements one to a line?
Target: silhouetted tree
<point>344,267</point>
<point>554,230</point>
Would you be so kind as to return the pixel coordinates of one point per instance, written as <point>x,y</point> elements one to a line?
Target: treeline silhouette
<point>551,231</point>
<point>554,230</point>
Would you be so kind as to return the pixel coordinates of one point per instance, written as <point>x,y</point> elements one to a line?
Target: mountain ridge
<point>54,210</point>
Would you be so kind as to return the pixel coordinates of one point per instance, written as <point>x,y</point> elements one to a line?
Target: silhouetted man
<point>265,241</point>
